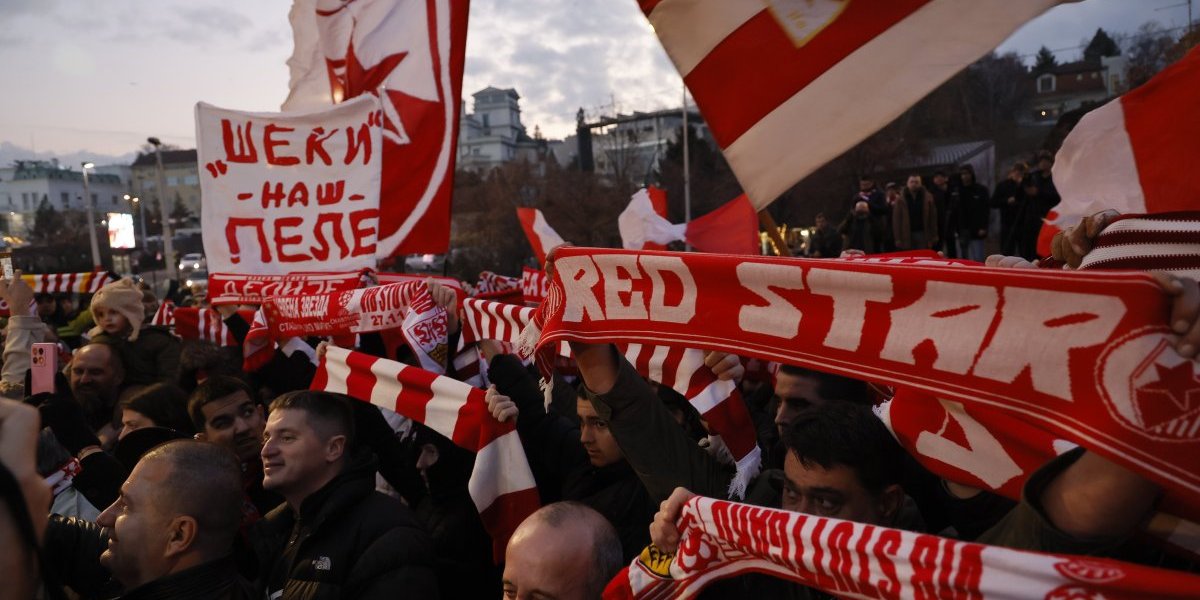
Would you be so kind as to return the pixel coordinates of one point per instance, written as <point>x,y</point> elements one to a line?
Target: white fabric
<point>639,224</point>
<point>308,84</point>
<point>237,190</point>
<point>1095,168</point>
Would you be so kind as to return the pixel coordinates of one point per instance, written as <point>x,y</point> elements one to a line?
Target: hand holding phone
<point>43,362</point>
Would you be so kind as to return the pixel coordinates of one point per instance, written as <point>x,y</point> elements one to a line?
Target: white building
<point>27,184</point>
<point>492,134</point>
<point>631,146</point>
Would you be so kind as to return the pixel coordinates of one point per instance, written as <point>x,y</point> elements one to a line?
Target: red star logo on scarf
<point>1174,394</point>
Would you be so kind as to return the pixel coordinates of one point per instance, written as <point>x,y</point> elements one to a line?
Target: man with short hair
<point>225,413</point>
<point>798,389</point>
<point>336,537</point>
<point>169,534</point>
<point>825,242</point>
<point>565,551</point>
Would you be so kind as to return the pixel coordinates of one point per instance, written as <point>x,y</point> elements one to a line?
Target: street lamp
<point>91,217</point>
<point>141,215</point>
<point>168,242</point>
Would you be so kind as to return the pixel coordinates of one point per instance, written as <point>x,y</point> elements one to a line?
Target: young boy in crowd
<point>150,354</point>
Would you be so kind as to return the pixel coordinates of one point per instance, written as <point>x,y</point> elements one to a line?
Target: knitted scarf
<point>1086,356</point>
<point>721,539</point>
<point>501,483</point>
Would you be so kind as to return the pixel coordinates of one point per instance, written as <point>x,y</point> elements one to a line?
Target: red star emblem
<point>1173,395</point>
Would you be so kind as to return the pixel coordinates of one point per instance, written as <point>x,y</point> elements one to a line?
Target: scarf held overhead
<point>501,484</point>
<point>1086,356</point>
<point>720,539</point>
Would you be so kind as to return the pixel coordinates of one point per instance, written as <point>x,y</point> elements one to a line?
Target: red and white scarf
<point>721,539</point>
<point>63,476</point>
<point>534,285</point>
<point>340,313</point>
<point>501,485</point>
<point>491,282</point>
<point>231,288</point>
<point>165,315</point>
<point>1086,356</point>
<point>681,369</point>
<point>64,283</point>
<point>450,282</point>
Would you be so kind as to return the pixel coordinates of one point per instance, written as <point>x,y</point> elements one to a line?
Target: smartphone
<point>6,265</point>
<point>42,366</point>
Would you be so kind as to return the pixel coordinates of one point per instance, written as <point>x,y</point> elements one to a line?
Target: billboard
<point>120,231</point>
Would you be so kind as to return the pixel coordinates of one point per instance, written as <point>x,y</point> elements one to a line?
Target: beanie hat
<point>1167,242</point>
<point>124,297</point>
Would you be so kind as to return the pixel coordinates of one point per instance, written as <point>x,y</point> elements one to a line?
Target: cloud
<point>200,24</point>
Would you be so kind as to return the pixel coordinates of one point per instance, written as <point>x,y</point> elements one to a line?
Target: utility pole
<point>91,218</point>
<point>687,179</point>
<point>168,235</point>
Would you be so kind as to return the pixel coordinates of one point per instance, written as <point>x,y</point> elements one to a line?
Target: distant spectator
<point>860,231</point>
<point>945,212</point>
<point>1009,198</point>
<point>825,242</point>
<point>878,208</point>
<point>159,405</point>
<point>914,217</point>
<point>971,200</point>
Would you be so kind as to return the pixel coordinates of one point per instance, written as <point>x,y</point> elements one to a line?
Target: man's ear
<point>181,535</point>
<point>335,448</point>
<point>890,502</point>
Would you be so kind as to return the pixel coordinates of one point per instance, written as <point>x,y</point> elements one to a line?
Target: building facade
<point>492,134</point>
<point>27,184</point>
<point>630,146</point>
<point>181,175</point>
<point>1069,86</point>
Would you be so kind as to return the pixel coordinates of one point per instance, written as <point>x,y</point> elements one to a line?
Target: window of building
<point>66,199</point>
<point>486,120</point>
<point>191,180</point>
<point>172,181</point>
<point>1045,83</point>
<point>114,199</point>
<point>95,199</point>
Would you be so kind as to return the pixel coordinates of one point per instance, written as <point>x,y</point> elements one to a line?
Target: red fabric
<point>501,485</point>
<point>205,324</point>
<point>230,288</point>
<point>542,237</point>
<point>64,283</point>
<point>534,284</point>
<point>762,57</point>
<point>420,133</point>
<point>855,560</point>
<point>449,282</point>
<point>354,311</point>
<point>1163,126</point>
<point>730,229</point>
<point>1086,356</point>
<point>658,200</point>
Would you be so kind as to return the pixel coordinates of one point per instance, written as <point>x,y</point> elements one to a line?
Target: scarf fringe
<point>748,467</point>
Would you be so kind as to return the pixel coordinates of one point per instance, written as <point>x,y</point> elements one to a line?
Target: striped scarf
<point>501,484</point>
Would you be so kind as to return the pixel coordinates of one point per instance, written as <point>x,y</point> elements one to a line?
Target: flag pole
<point>687,180</point>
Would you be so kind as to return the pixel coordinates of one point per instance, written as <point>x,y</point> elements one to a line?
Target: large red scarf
<point>721,539</point>
<point>231,288</point>
<point>1084,356</point>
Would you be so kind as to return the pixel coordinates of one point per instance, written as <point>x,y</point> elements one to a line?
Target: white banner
<point>290,192</point>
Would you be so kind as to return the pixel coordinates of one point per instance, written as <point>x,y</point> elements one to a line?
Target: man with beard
<point>225,413</point>
<point>95,376</point>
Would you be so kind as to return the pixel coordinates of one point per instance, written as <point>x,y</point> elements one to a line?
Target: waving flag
<point>730,229</point>
<point>411,52</point>
<point>1126,154</point>
<point>787,85</point>
<point>541,235</point>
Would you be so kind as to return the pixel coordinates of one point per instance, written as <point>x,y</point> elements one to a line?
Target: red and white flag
<point>414,51</point>
<point>730,229</point>
<point>783,84</point>
<point>542,237</point>
<point>501,484</point>
<point>1126,155</point>
<point>643,226</point>
<point>165,315</point>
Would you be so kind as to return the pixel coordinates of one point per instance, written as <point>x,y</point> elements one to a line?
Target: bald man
<point>170,533</point>
<point>565,551</point>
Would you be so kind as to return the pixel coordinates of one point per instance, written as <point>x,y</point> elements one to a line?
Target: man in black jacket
<point>972,203</point>
<point>336,537</point>
<point>169,534</point>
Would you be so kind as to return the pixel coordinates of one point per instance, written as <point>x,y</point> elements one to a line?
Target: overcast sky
<point>102,76</point>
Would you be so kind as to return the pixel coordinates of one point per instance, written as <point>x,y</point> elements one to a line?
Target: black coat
<point>348,541</point>
<point>973,206</point>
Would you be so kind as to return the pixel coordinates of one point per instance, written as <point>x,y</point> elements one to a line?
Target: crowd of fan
<point>173,474</point>
<point>951,214</point>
